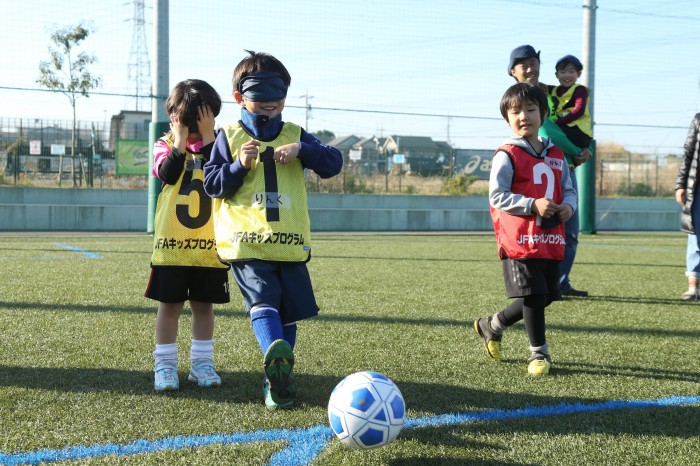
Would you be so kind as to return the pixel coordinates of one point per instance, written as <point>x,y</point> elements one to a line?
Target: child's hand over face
<point>180,133</point>
<point>564,212</point>
<point>205,120</point>
<point>285,154</point>
<point>544,207</point>
<point>249,152</point>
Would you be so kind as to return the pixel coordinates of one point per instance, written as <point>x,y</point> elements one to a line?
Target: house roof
<point>443,146</point>
<point>369,143</point>
<point>413,142</point>
<point>344,142</point>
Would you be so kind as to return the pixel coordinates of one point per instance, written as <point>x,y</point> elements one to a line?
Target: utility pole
<point>586,172</point>
<point>159,118</point>
<point>448,129</point>
<point>308,109</point>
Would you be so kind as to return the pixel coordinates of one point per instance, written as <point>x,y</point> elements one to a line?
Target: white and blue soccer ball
<point>366,410</point>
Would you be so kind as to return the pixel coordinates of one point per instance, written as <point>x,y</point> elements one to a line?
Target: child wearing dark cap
<point>524,66</point>
<point>261,218</point>
<point>570,102</point>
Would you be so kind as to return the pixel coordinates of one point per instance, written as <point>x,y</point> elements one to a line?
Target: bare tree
<point>67,72</point>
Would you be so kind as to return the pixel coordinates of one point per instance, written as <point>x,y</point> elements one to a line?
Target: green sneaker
<point>279,390</point>
<point>269,402</point>
<point>539,364</point>
<point>492,340</point>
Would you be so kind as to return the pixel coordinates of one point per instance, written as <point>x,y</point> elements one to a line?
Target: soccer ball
<point>366,410</point>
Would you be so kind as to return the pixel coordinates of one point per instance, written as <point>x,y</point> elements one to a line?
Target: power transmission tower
<point>139,68</point>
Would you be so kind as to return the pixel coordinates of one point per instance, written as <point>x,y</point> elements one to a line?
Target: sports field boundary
<point>304,445</point>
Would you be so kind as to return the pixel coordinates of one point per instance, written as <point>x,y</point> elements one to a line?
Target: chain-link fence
<point>115,155</point>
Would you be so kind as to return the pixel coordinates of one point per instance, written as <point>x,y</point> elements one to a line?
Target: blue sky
<point>416,62</point>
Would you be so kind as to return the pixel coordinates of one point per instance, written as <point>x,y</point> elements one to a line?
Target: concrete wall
<point>48,209</point>
<point>54,209</point>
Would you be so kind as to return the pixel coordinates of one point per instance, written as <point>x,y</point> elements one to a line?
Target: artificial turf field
<point>77,336</point>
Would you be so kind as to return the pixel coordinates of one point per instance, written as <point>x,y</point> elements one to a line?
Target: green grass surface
<point>77,336</point>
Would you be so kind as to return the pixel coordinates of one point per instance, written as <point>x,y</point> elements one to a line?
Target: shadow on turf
<point>570,368</point>
<point>635,300</point>
<point>681,422</point>
<point>418,461</point>
<point>314,390</point>
<point>220,310</point>
<point>246,387</point>
<point>227,311</point>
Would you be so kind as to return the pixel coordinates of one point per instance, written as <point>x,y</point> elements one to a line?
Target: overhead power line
<point>358,110</point>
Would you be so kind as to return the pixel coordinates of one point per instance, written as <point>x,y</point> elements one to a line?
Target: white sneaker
<point>203,374</point>
<point>166,378</point>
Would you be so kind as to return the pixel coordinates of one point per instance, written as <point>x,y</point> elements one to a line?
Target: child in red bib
<point>530,197</point>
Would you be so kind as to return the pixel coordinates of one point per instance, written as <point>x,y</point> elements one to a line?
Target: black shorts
<point>576,136</point>
<point>180,284</point>
<point>284,286</point>
<point>525,277</point>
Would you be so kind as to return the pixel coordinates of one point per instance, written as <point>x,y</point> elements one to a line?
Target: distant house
<point>129,124</point>
<point>423,155</point>
<point>324,136</point>
<point>344,143</point>
<point>368,154</point>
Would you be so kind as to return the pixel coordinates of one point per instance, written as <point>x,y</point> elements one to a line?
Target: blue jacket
<point>223,176</point>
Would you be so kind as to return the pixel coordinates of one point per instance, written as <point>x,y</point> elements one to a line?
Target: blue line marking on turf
<point>88,254</point>
<point>304,445</point>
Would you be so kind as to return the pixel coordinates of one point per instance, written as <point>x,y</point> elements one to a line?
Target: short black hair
<point>257,62</point>
<point>517,94</point>
<point>186,98</point>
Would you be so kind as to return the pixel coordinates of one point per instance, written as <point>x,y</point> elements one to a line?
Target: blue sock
<point>267,325</point>
<point>290,334</point>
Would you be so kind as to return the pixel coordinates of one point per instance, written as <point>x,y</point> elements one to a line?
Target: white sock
<point>496,325</point>
<point>202,350</point>
<point>166,354</point>
<point>544,349</point>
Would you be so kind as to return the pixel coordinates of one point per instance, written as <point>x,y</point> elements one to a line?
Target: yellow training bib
<point>267,218</point>
<point>184,229</point>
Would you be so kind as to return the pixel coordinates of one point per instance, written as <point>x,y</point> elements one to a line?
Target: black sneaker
<point>575,293</point>
<point>492,340</point>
